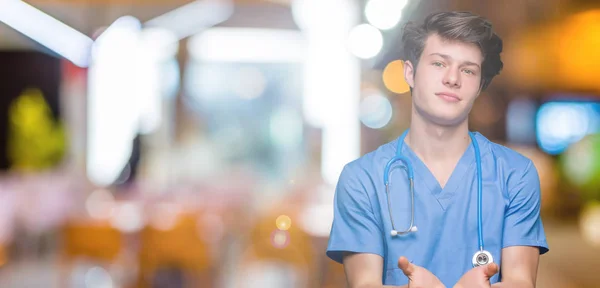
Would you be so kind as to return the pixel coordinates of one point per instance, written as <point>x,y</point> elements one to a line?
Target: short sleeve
<point>523,224</point>
<point>355,228</point>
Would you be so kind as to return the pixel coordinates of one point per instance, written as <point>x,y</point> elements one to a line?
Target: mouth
<point>449,97</point>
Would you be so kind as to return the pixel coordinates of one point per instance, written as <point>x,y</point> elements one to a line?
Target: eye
<point>437,64</point>
<point>469,71</point>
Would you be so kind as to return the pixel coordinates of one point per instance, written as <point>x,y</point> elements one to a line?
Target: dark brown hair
<point>456,26</point>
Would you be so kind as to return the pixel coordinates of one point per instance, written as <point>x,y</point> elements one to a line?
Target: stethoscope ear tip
<point>414,229</point>
<point>394,233</point>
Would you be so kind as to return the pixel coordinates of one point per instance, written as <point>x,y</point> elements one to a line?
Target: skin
<point>439,136</point>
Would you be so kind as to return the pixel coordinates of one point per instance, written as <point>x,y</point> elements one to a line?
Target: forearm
<point>513,284</point>
<point>384,286</point>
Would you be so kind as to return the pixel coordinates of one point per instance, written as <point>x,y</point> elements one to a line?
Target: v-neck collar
<point>445,195</point>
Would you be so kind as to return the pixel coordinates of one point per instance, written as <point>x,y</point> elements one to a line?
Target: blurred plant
<point>35,141</point>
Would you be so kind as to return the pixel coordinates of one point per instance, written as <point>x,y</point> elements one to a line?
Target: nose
<point>452,78</point>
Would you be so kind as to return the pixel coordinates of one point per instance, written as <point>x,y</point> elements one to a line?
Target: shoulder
<point>364,173</point>
<point>514,167</point>
<point>503,154</point>
<point>371,162</point>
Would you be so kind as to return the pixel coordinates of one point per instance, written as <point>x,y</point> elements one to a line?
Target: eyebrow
<point>448,57</point>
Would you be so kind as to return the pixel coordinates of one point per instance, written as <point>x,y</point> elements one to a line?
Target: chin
<point>446,118</point>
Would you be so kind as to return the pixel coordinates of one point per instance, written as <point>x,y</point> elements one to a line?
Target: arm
<point>519,267</point>
<point>364,270</point>
<point>523,236</point>
<point>356,237</point>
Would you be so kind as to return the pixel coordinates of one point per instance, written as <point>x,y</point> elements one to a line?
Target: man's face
<point>447,80</point>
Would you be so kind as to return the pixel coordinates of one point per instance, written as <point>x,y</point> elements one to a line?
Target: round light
<point>283,222</point>
<point>393,77</point>
<point>128,217</point>
<point>100,204</point>
<point>581,165</point>
<point>375,111</point>
<point>589,223</point>
<point>280,239</point>
<point>365,41</point>
<point>384,14</point>
<point>97,277</point>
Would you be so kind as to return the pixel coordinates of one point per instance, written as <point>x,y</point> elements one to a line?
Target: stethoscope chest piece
<point>481,258</point>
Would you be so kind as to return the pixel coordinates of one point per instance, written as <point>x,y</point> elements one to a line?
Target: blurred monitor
<point>560,123</point>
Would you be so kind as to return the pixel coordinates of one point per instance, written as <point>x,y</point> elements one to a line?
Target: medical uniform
<point>447,235</point>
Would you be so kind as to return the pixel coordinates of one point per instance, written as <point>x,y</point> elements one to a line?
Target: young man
<point>449,59</point>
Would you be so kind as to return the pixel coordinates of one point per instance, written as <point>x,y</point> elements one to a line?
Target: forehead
<point>459,51</point>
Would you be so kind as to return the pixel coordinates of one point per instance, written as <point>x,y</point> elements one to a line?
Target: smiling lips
<point>449,97</point>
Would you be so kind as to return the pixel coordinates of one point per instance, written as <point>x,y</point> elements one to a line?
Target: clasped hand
<point>419,277</point>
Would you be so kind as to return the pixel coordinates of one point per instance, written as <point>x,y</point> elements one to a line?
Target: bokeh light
<point>393,77</point>
<point>365,41</point>
<point>384,14</point>
<point>283,222</point>
<point>165,216</point>
<point>100,204</point>
<point>128,217</point>
<point>375,111</point>
<point>98,277</point>
<point>581,165</point>
<point>280,239</point>
<point>563,123</point>
<point>590,223</point>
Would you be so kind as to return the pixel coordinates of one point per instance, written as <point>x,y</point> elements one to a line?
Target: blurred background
<point>155,143</point>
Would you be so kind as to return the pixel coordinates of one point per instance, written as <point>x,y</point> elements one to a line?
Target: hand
<point>418,277</point>
<point>478,277</point>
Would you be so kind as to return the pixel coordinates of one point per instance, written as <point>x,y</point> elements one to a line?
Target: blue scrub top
<point>446,218</point>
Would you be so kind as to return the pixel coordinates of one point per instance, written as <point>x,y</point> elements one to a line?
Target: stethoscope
<point>481,257</point>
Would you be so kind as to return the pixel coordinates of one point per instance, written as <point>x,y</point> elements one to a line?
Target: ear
<point>409,74</point>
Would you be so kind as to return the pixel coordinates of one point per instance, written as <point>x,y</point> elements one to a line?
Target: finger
<point>490,270</point>
<point>407,267</point>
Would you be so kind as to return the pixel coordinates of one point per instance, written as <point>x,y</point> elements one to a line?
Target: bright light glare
<point>194,17</point>
<point>51,33</point>
<point>112,115</point>
<point>318,15</point>
<point>247,45</point>
<point>384,14</point>
<point>158,43</point>
<point>124,93</point>
<point>365,41</point>
<point>331,80</point>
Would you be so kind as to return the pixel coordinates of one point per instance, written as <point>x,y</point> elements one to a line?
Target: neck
<point>437,143</point>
